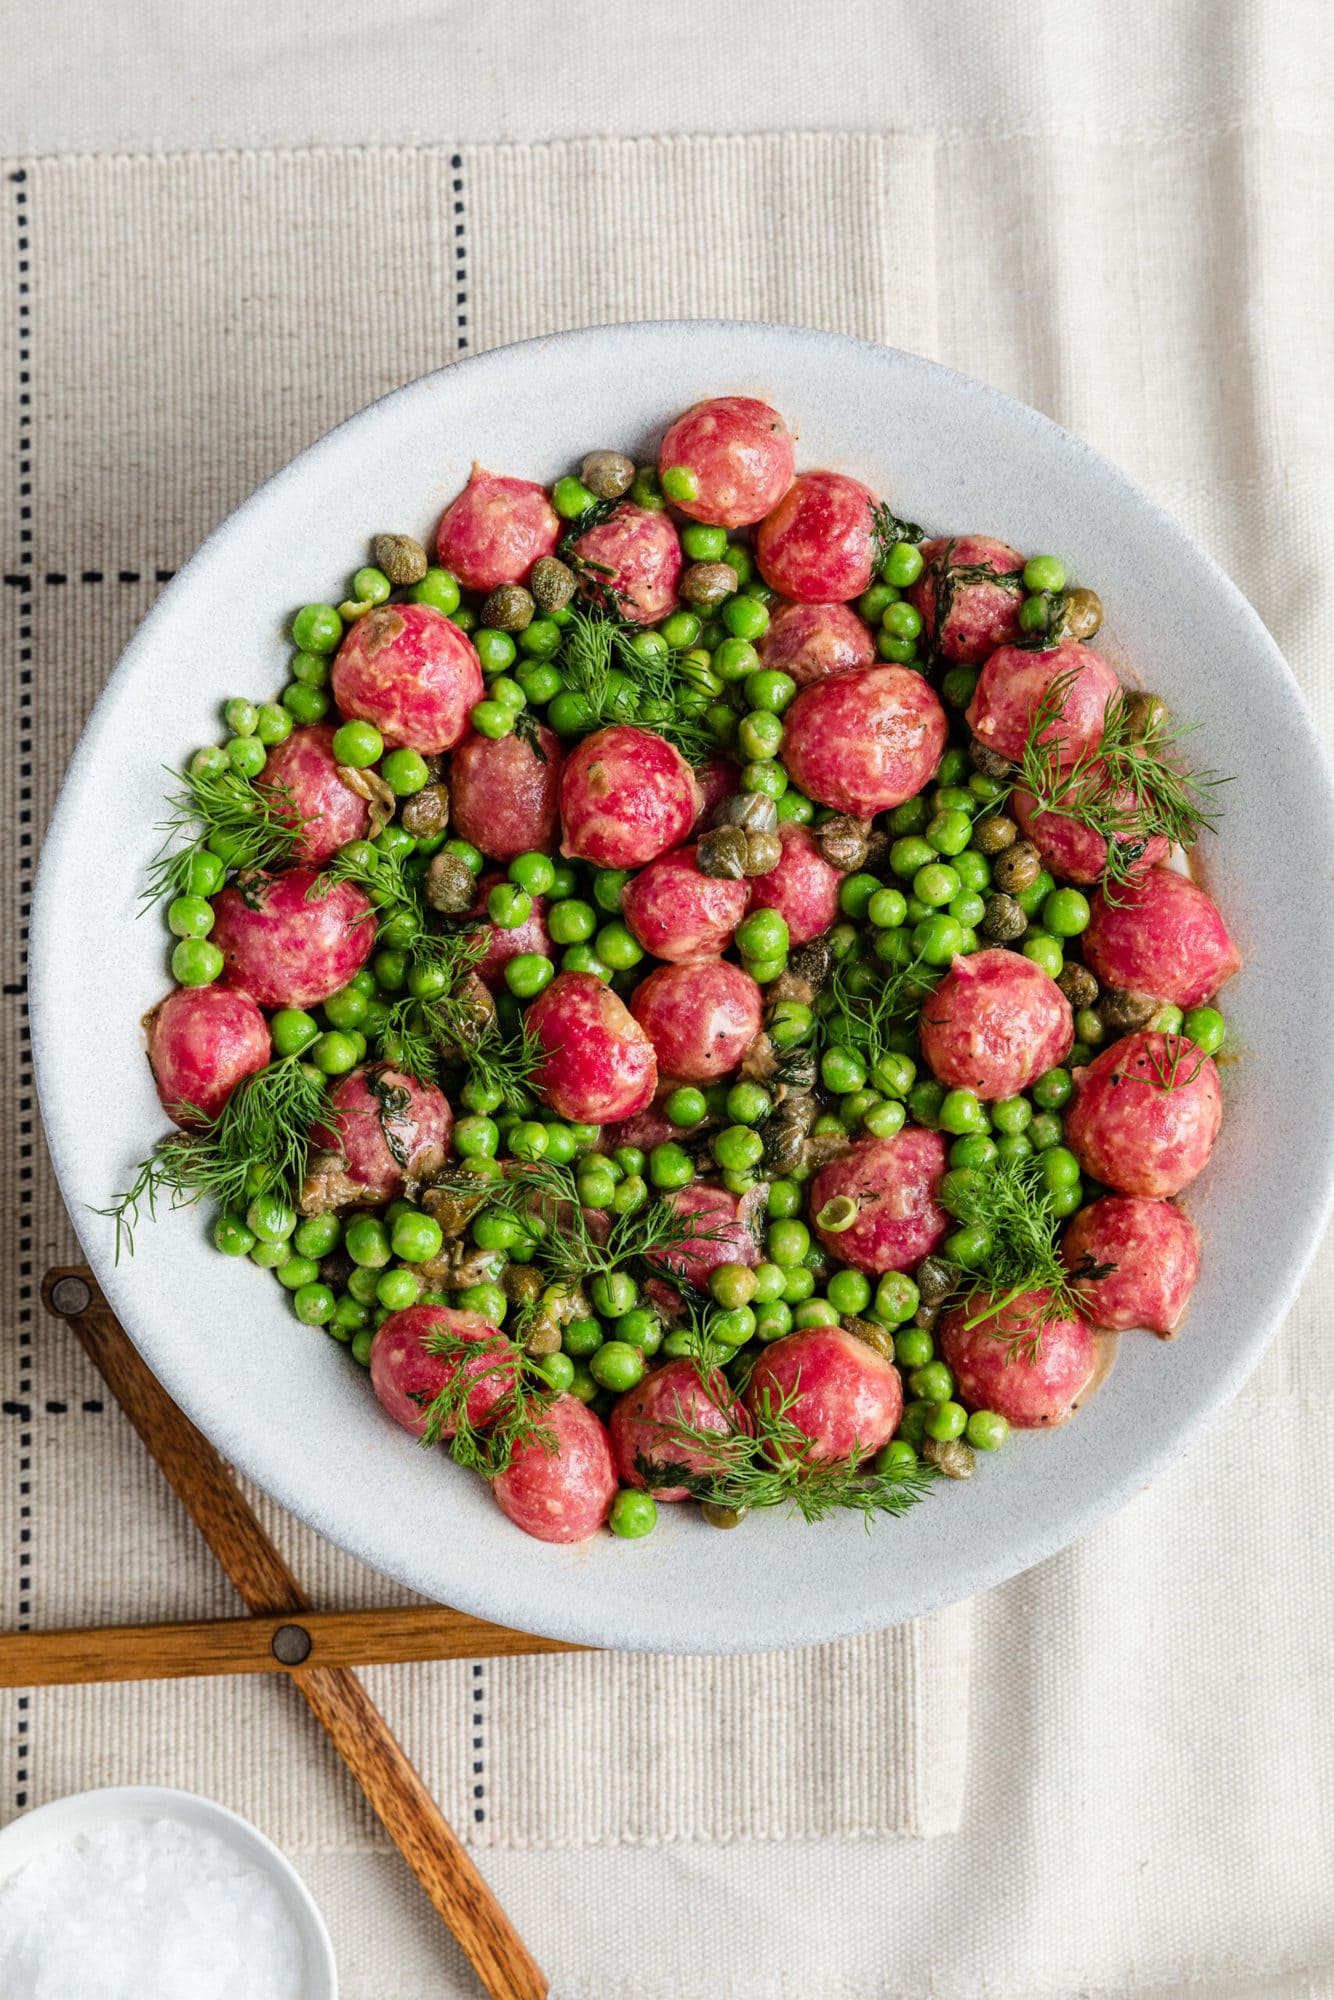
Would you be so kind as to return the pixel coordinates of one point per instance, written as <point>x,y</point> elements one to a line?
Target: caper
<point>520,1283</point>
<point>543,1335</point>
<point>449,885</point>
<point>878,843</point>
<point>722,853</point>
<point>798,1071</point>
<point>989,762</point>
<point>784,1143</point>
<point>426,813</point>
<point>336,1269</point>
<point>751,810</point>
<point>1082,614</point>
<point>842,841</point>
<point>764,851</point>
<point>708,583</point>
<point>994,834</point>
<point>926,1317</point>
<point>1122,1013</point>
<point>1003,920</point>
<point>508,608</point>
<point>1017,867</point>
<point>955,1459</point>
<point>936,1279</point>
<point>607,474</point>
<point>812,962</point>
<point>1078,985</point>
<point>878,1337</point>
<point>1145,713</point>
<point>551,583</point>
<point>402,559</point>
<point>722,1517</point>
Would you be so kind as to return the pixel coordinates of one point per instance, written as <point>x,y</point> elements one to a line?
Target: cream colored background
<point>1123,219</point>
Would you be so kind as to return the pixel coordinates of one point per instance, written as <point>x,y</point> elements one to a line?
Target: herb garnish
<point>1165,1064</point>
<point>949,575</point>
<point>776,1464</point>
<point>1011,1200</point>
<point>259,1141</point>
<point>1129,788</point>
<point>258,829</point>
<point>865,1022</point>
<point>887,529</point>
<point>400,917</point>
<point>618,684</point>
<point>514,1421</point>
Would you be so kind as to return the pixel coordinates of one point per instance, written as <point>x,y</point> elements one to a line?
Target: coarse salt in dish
<point>152,1907</point>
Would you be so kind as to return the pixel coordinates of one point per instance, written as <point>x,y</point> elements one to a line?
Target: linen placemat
<point>183,326</point>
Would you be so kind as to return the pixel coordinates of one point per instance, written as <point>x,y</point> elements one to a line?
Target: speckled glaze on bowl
<point>284,1402</point>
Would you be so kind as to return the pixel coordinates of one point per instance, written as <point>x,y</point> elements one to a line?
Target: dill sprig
<point>1129,788</point>
<point>775,1464</point>
<point>617,684</point>
<point>1011,1201</point>
<point>542,1198</point>
<point>400,916</point>
<point>1165,1064</point>
<point>259,829</point>
<point>948,577</point>
<point>595,575</point>
<point>514,1421</point>
<point>887,529</point>
<point>260,1140</point>
<point>865,1022</point>
<point>417,1036</point>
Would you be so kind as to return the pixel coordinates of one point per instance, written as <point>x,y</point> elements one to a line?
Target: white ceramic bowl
<point>56,1824</point>
<point>285,1403</point>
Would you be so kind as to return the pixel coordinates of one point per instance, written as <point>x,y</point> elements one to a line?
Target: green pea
<point>763,934</point>
<point>273,724</point>
<point>798,1284</point>
<point>310,669</point>
<point>935,884</point>
<point>527,973</point>
<point>616,1366</point>
<point>581,1337</point>
<point>958,685</point>
<point>785,1200</point>
<point>735,1327</point>
<point>508,907</point>
<point>924,1102</point>
<point>398,1289</point>
<point>891,647</point>
<point>887,909</point>
<point>938,940</point>
<point>366,1242</point>
<point>270,1256</point>
<point>335,1054</point>
<point>946,1421</point>
<point>950,831</point>
<point>1013,1146</point>
<point>1060,1168</point>
<point>701,542</point>
<point>231,1236</point>
<point>787,1241</point>
<point>913,1347</point>
<point>686,1106</point>
<point>440,589</point>
<point>1053,1090</point>
<point>190,916</point>
<point>745,618</point>
<point>1044,950</point>
<point>790,1023</point>
<point>570,714</point>
<point>313,1304</point>
<point>670,1166</point>
<point>748,1103</point>
<point>910,854</point>
<point>317,1236</point>
<point>681,629</point>
<point>765,776</point>
<point>770,690</point>
<point>405,773</point>
<point>759,734</point>
<point>1044,573</point>
<point>736,660</point>
<point>932,1383</point>
<point>317,628</point>
<point>633,1514</point>
<point>737,1147</point>
<point>986,1430</point>
<point>196,962</point>
<point>902,620</point>
<point>962,1112</point>
<point>1046,1130</point>
<point>583,1386</point>
<point>732,1285</point>
<point>1065,913</point>
<point>1205,1027</point>
<point>1169,1020</point>
<point>527,1139</point>
<point>241,716</point>
<point>596,1185</point>
<point>969,1246</point>
<point>303,703</point>
<point>974,1152</point>
<point>885,1118</point>
<point>571,498</point>
<point>973,870</point>
<point>357,744</point>
<point>1031,899</point>
<point>842,1069</point>
<point>618,947</point>
<point>855,894</point>
<point>903,565</point>
<point>849,1292</point>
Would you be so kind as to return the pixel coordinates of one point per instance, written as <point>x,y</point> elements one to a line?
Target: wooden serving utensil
<point>336,1697</point>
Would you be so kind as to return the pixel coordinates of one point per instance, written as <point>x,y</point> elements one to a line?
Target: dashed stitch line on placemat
<point>24,845</point>
<point>478,1755</point>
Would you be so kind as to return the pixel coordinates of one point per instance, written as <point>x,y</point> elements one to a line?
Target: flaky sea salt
<point>146,1909</point>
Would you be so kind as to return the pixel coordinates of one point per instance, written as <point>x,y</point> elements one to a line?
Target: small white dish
<point>56,1824</point>
<point>289,1407</point>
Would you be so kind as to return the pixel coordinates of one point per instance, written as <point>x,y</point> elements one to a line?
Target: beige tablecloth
<point>1117,215</point>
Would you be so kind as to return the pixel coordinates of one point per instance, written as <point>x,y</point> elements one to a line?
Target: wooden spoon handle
<point>336,1697</point>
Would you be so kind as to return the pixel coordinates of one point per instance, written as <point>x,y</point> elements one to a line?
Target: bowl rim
<point>1038,1538</point>
<point>58,1820</point>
